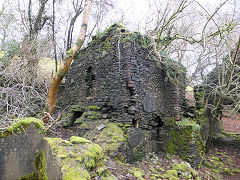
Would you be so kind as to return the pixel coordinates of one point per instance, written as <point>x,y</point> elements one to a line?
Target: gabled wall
<point>119,72</point>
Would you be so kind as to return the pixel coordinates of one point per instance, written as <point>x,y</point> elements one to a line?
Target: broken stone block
<point>132,110</point>
<point>100,127</point>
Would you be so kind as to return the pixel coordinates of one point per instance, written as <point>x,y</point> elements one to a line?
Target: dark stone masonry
<point>120,73</point>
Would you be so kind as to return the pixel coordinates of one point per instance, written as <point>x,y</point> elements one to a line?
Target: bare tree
<point>78,8</point>
<point>201,40</point>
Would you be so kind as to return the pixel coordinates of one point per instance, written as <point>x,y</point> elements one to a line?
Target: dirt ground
<point>231,122</point>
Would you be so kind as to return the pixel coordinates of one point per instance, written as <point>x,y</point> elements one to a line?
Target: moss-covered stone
<point>78,114</point>
<point>178,142</point>
<point>40,166</point>
<point>22,125</point>
<point>110,138</point>
<point>180,167</point>
<point>79,158</point>
<point>184,140</point>
<point>78,140</point>
<point>184,170</point>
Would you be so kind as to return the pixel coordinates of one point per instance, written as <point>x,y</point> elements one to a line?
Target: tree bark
<point>51,100</point>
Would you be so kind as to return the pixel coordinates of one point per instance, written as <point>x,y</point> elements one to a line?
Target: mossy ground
<point>82,158</point>
<point>221,163</point>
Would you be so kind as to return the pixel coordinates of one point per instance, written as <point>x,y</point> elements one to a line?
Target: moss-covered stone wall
<point>120,73</point>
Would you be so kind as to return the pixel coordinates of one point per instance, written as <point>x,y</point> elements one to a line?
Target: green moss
<point>103,172</point>
<point>79,158</point>
<point>221,153</point>
<point>93,107</point>
<point>78,140</point>
<point>235,170</point>
<point>125,127</point>
<point>215,158</point>
<point>84,125</point>
<point>88,113</point>
<point>138,173</point>
<point>91,115</point>
<point>227,171</point>
<point>181,136</point>
<point>93,156</point>
<point>180,167</point>
<point>69,53</point>
<point>178,142</point>
<point>171,174</point>
<point>215,171</point>
<point>110,177</point>
<point>40,168</point>
<point>217,166</point>
<point>70,172</point>
<point>22,125</point>
<point>213,163</point>
<point>184,170</point>
<point>107,31</point>
<point>110,138</point>
<point>62,152</point>
<point>229,160</point>
<point>170,122</point>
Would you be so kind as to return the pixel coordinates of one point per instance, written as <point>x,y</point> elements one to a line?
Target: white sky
<point>136,11</point>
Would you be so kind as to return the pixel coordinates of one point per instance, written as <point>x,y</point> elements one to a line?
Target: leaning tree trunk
<point>51,100</point>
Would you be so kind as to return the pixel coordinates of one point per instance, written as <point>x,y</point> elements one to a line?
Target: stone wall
<point>123,77</point>
<point>119,72</point>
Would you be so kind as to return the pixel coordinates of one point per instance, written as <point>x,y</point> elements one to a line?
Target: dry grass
<point>46,68</point>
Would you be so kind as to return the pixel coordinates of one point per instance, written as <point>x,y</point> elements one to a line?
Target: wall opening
<point>160,124</point>
<point>76,114</point>
<point>135,123</point>
<point>90,78</point>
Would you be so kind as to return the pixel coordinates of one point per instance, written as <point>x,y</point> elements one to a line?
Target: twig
<point>54,122</point>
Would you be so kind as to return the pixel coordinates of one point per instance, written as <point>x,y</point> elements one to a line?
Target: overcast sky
<point>134,12</point>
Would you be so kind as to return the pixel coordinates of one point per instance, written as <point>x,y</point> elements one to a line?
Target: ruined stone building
<point>120,73</point>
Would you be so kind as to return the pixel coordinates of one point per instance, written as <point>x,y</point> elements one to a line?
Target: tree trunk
<point>214,120</point>
<point>51,100</point>
<point>212,124</point>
